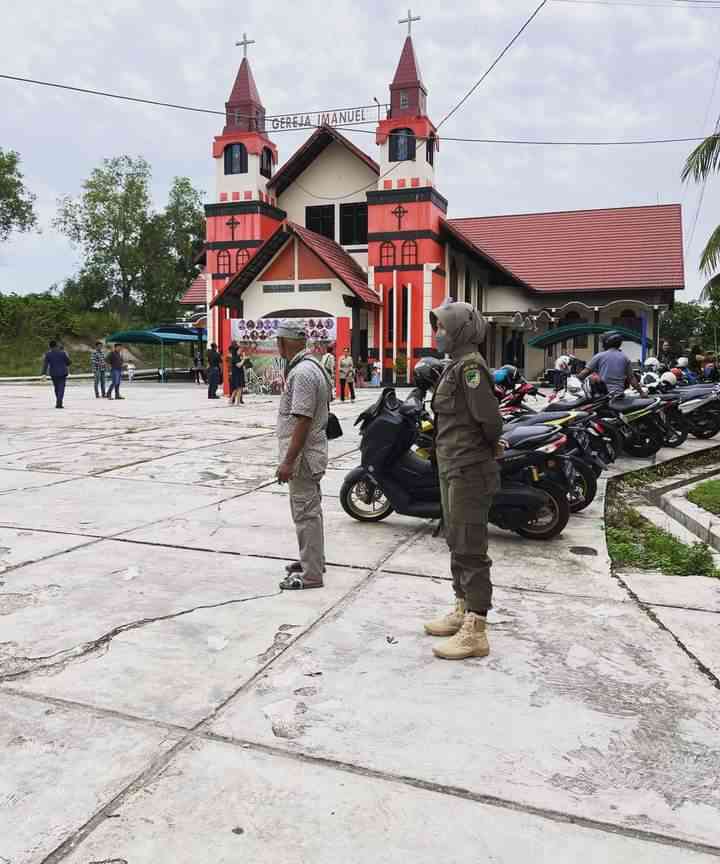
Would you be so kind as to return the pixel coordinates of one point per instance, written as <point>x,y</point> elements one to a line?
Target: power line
<point>659,4</point>
<point>493,64</point>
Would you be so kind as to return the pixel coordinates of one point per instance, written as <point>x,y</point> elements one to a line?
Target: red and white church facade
<point>335,233</point>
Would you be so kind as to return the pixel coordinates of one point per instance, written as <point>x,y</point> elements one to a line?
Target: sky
<point>579,72</point>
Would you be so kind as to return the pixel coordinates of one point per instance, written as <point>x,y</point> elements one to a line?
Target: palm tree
<point>701,163</point>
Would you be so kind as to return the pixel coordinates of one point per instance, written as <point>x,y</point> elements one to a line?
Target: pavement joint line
<point>685,608</point>
<point>91,542</point>
<point>467,795</point>
<point>159,763</point>
<point>66,656</point>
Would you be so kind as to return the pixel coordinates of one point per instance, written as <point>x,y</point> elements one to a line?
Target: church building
<point>366,239</point>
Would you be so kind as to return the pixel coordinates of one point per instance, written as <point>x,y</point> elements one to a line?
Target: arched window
<point>409,253</point>
<point>236,161</point>
<point>387,254</point>
<point>266,162</point>
<point>468,286</point>
<point>241,259</point>
<point>453,286</point>
<point>629,319</point>
<point>402,145</point>
<point>430,150</point>
<point>224,262</point>
<point>571,318</point>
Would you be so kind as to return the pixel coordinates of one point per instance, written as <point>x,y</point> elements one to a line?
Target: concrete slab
<point>174,436</point>
<point>12,480</point>
<point>102,506</point>
<point>20,546</point>
<point>696,592</point>
<point>84,458</point>
<point>237,800</point>
<point>118,656</point>
<point>260,524</point>
<point>587,708</point>
<point>703,524</point>
<point>698,631</point>
<point>60,765</point>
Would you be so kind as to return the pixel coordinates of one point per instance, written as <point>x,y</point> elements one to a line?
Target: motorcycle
<point>694,409</point>
<point>532,500</point>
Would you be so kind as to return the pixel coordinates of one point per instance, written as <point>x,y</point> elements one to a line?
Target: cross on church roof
<point>245,42</point>
<point>409,21</point>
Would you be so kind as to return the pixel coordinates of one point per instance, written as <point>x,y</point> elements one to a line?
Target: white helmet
<point>651,363</point>
<point>682,362</point>
<point>562,364</point>
<point>650,379</point>
<point>669,379</point>
<point>574,385</point>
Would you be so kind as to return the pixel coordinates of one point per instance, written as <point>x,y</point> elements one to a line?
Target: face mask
<point>441,340</point>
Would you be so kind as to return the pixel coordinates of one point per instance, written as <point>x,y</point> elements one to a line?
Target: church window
<point>353,224</point>
<point>453,286</point>
<point>321,220</point>
<point>266,162</point>
<point>236,161</point>
<point>402,145</point>
<point>241,259</point>
<point>387,254</point>
<point>224,262</point>
<point>404,99</point>
<point>468,286</point>
<point>409,252</point>
<point>430,150</point>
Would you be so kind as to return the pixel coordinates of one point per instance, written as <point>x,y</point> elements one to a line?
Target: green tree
<point>700,164</point>
<point>16,203</point>
<point>107,221</point>
<point>88,290</point>
<point>683,325</point>
<point>185,224</point>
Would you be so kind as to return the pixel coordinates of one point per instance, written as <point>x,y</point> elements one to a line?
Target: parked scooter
<point>532,500</point>
<point>695,409</point>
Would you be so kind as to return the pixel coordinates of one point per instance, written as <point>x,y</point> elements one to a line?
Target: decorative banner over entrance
<point>255,330</point>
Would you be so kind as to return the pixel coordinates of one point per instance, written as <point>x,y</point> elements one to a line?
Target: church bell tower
<point>404,217</point>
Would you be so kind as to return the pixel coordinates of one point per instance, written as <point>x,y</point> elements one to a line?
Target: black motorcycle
<point>532,500</point>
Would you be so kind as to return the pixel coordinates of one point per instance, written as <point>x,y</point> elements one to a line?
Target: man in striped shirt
<point>99,367</point>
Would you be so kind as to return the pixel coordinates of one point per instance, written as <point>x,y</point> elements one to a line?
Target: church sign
<point>344,117</point>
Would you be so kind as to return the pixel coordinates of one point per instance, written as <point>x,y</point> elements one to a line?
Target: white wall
<point>252,181</point>
<point>256,303</point>
<point>335,172</point>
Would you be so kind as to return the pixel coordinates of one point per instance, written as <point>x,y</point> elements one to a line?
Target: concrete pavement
<point>162,701</point>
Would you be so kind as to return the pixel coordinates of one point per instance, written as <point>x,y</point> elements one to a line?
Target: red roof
<point>244,90</point>
<point>309,151</point>
<point>196,293</point>
<point>408,69</point>
<point>586,250</point>
<point>339,261</point>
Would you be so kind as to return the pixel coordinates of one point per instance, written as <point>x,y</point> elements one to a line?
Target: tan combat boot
<point>469,641</point>
<point>449,624</point>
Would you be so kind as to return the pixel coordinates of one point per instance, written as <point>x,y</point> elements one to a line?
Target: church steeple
<point>244,112</point>
<point>408,95</point>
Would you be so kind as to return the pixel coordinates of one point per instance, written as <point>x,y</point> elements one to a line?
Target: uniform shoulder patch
<point>472,376</point>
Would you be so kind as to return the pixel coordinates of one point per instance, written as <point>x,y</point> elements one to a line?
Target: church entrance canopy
<point>561,334</point>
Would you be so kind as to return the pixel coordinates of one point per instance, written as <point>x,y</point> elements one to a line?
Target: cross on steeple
<point>245,42</point>
<point>232,224</point>
<point>409,21</point>
<point>399,212</point>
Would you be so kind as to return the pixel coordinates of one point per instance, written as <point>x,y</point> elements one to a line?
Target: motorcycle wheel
<point>552,519</point>
<point>646,441</point>
<point>363,502</point>
<point>708,429</point>
<point>584,487</point>
<point>676,434</point>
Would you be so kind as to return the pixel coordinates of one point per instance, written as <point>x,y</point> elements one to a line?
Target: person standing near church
<point>303,451</point>
<point>56,364</point>
<point>468,426</point>
<point>115,362</point>
<point>328,364</point>
<point>214,359</point>
<point>99,368</point>
<point>347,375</point>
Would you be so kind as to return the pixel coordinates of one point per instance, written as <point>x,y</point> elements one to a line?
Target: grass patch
<point>707,496</point>
<point>634,542</point>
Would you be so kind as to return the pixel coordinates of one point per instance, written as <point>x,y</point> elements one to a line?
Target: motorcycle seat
<point>573,405</point>
<point>514,436</point>
<point>547,417</point>
<point>630,403</point>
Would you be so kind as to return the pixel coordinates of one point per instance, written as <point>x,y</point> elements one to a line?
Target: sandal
<point>296,582</point>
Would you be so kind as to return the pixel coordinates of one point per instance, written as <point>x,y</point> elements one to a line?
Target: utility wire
<point>661,4</point>
<point>493,64</point>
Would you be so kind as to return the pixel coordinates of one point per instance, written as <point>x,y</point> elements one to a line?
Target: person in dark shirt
<point>115,362</point>
<point>214,359</point>
<point>56,364</point>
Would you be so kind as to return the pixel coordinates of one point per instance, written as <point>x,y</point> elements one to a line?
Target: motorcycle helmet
<point>427,373</point>
<point>507,376</point>
<point>650,379</point>
<point>574,386</point>
<point>562,364</point>
<point>612,340</point>
<point>595,386</point>
<point>669,379</point>
<point>652,364</point>
<point>682,362</point>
